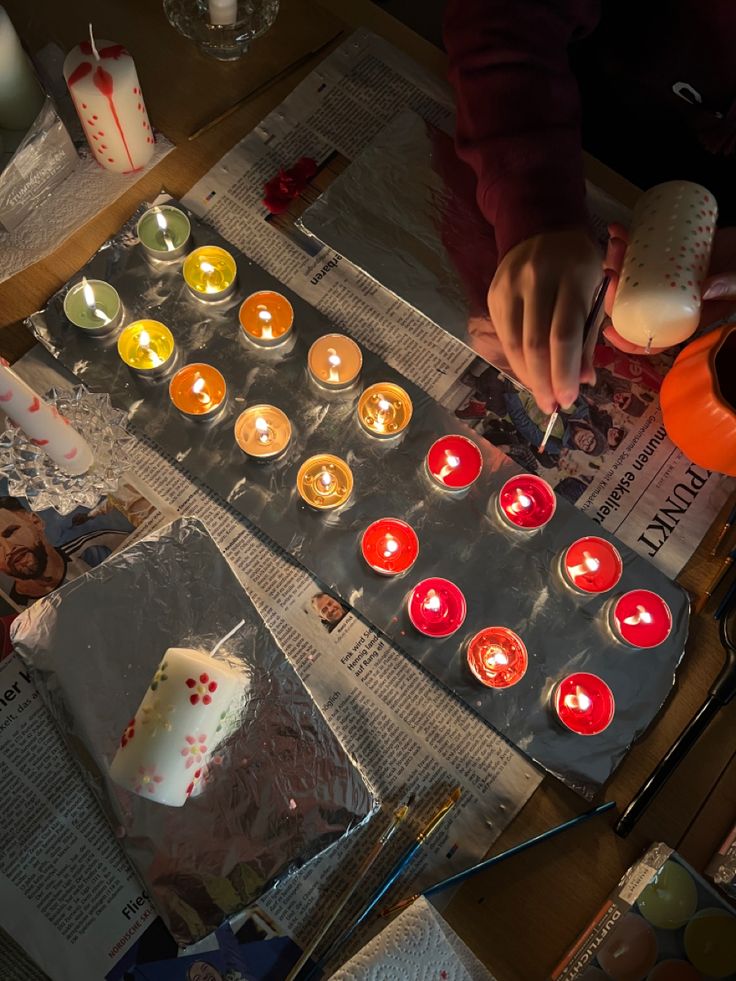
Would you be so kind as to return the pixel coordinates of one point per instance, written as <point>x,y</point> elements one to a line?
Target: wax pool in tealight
<point>526,503</point>
<point>263,432</point>
<point>592,565</point>
<point>94,306</point>
<point>437,607</point>
<point>630,951</point>
<point>497,657</point>
<point>147,347</point>
<point>210,273</point>
<point>266,318</point>
<point>454,462</point>
<point>389,546</point>
<point>324,482</point>
<point>164,232</point>
<point>641,618</point>
<point>670,899</point>
<point>384,410</point>
<point>198,391</point>
<point>334,362</point>
<point>710,942</point>
<point>584,703</point>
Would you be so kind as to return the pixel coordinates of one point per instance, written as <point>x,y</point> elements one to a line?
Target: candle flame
<point>144,339</point>
<point>334,361</point>
<point>522,502</point>
<point>206,267</point>
<point>161,221</point>
<point>496,658</point>
<point>198,391</point>
<point>265,316</point>
<point>432,601</point>
<point>579,700</point>
<point>642,615</point>
<point>88,293</point>
<point>384,405</point>
<point>391,546</point>
<point>263,430</point>
<point>452,462</point>
<point>326,481</point>
<point>591,563</point>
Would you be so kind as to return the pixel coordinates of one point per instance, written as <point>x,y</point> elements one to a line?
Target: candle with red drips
<point>437,607</point>
<point>526,502</point>
<point>389,546</point>
<point>454,462</point>
<point>592,565</point>
<point>641,618</point>
<point>497,657</point>
<point>584,704</point>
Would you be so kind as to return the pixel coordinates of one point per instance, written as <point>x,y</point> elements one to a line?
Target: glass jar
<point>222,29</point>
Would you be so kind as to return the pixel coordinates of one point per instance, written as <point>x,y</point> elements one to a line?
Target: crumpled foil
<point>284,788</point>
<point>34,475</point>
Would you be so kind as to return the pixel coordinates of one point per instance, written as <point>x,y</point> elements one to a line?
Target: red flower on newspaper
<point>194,782</point>
<point>128,733</point>
<point>287,185</point>
<point>196,747</point>
<point>203,689</point>
<point>147,779</point>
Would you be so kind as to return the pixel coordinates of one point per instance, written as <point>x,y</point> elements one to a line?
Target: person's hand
<point>538,301</point>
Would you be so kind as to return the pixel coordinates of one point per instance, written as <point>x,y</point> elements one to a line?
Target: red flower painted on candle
<point>281,190</point>
<point>147,779</point>
<point>191,786</point>
<point>195,749</point>
<point>203,689</point>
<point>128,733</point>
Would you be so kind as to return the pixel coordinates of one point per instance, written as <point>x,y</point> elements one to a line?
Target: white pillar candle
<point>43,424</point>
<point>223,12</point>
<point>21,97</point>
<point>180,722</point>
<point>107,95</point>
<point>658,299</point>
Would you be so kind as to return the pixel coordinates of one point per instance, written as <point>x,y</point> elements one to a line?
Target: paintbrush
<point>724,530</point>
<point>715,582</point>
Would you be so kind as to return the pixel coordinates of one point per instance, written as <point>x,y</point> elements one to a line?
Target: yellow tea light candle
<point>198,391</point>
<point>147,347</point>
<point>384,410</point>
<point>334,361</point>
<point>263,432</point>
<point>266,318</point>
<point>324,482</point>
<point>210,273</point>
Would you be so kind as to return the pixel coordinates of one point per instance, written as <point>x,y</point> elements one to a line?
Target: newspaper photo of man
<point>328,610</point>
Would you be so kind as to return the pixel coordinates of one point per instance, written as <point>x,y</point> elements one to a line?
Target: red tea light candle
<point>454,462</point>
<point>497,657</point>
<point>526,502</point>
<point>198,391</point>
<point>324,482</point>
<point>389,546</point>
<point>592,565</point>
<point>584,704</point>
<point>641,618</point>
<point>266,318</point>
<point>385,410</point>
<point>437,607</point>
<point>335,362</point>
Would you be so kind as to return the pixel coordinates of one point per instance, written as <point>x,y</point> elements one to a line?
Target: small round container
<point>199,392</point>
<point>436,607</point>
<point>389,546</point>
<point>384,410</point>
<point>164,233</point>
<point>454,463</point>
<point>591,565</point>
<point>263,432</point>
<point>147,347</point>
<point>584,704</point>
<point>640,618</point>
<point>497,657</point>
<point>266,318</point>
<point>334,362</point>
<point>526,503</point>
<point>210,273</point>
<point>324,482</point>
<point>94,306</point>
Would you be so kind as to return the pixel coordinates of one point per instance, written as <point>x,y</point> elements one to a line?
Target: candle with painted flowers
<point>497,657</point>
<point>106,93</point>
<point>198,391</point>
<point>147,347</point>
<point>263,432</point>
<point>389,546</point>
<point>584,703</point>
<point>437,607</point>
<point>334,362</point>
<point>94,306</point>
<point>324,482</point>
<point>641,618</point>
<point>454,463</point>
<point>210,273</point>
<point>43,424</point>
<point>266,318</point>
<point>526,503</point>
<point>591,565</point>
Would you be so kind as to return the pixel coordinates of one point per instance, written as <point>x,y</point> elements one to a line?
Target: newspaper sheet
<point>610,456</point>
<point>407,734</point>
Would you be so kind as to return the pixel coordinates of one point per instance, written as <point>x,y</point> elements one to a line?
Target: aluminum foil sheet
<point>507,579</point>
<point>281,788</point>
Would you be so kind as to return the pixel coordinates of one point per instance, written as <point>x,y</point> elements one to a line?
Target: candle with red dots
<point>584,703</point>
<point>390,546</point>
<point>526,502</point>
<point>454,462</point>
<point>592,565</point>
<point>106,93</point>
<point>497,657</point>
<point>437,607</point>
<point>641,618</point>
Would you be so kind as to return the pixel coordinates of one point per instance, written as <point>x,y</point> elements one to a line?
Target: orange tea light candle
<point>263,432</point>
<point>497,657</point>
<point>324,482</point>
<point>266,318</point>
<point>210,273</point>
<point>147,347</point>
<point>198,391</point>
<point>384,410</point>
<point>334,361</point>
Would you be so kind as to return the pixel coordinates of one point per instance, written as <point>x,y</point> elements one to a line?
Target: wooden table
<point>520,917</point>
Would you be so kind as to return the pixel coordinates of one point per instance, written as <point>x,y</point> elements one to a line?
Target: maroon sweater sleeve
<point>518,110</point>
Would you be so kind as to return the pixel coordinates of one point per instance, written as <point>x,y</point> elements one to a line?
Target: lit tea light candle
<point>334,361</point>
<point>267,318</point>
<point>436,607</point>
<point>164,232</point>
<point>210,273</point>
<point>94,306</point>
<point>454,462</point>
<point>147,347</point>
<point>389,546</point>
<point>263,432</point>
<point>384,410</point>
<point>198,391</point>
<point>324,482</point>
<point>641,618</point>
<point>526,502</point>
<point>592,565</point>
<point>497,657</point>
<point>584,703</point>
